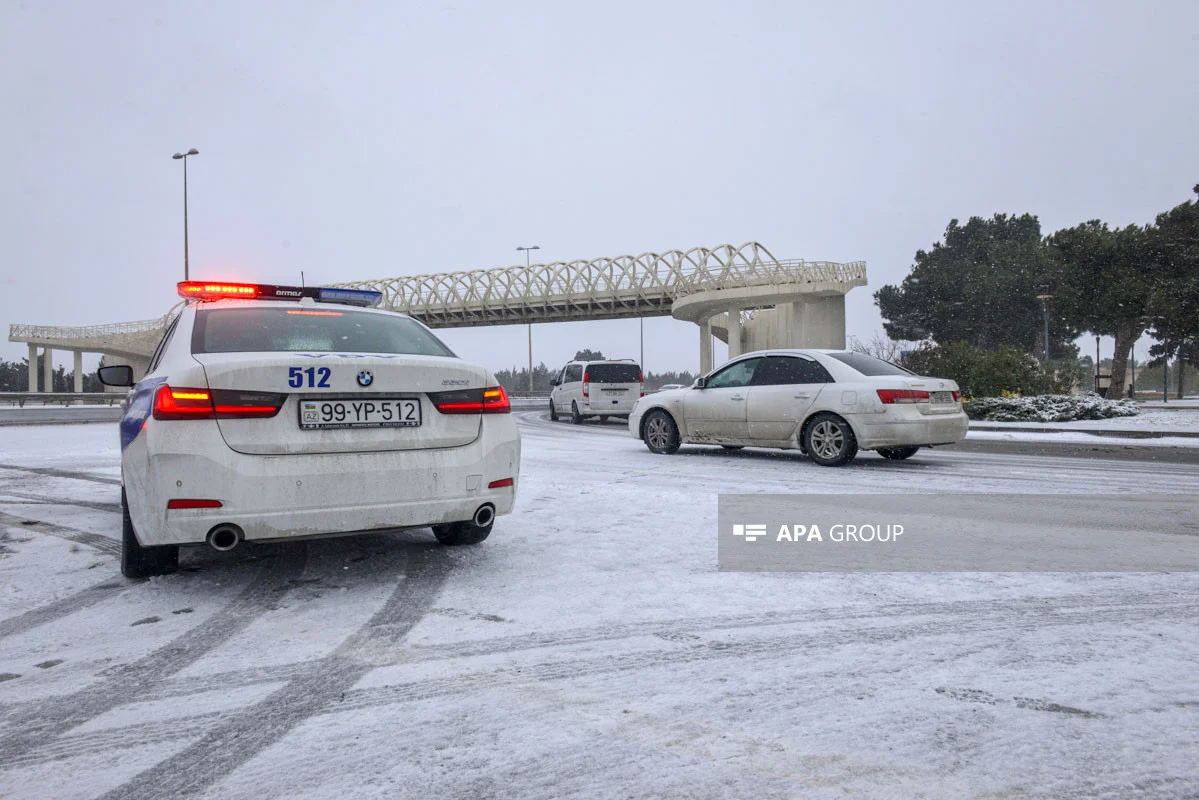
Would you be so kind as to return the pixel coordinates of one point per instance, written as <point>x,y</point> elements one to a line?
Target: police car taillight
<point>208,291</point>
<point>493,400</point>
<point>172,403</point>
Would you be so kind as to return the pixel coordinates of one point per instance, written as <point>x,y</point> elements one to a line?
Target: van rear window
<point>613,373</point>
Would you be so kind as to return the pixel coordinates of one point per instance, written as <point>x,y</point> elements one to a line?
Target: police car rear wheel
<point>143,562</point>
<point>897,453</point>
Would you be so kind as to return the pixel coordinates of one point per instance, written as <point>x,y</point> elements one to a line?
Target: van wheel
<point>143,562</point>
<point>553,412</point>
<point>897,453</point>
<point>661,434</point>
<point>830,441</point>
<point>456,533</point>
<point>603,419</point>
<point>575,417</point>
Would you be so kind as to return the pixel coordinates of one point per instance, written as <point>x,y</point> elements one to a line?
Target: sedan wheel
<point>661,434</point>
<point>897,453</point>
<point>830,441</point>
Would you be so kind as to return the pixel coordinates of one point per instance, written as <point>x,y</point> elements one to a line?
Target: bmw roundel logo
<point>365,378</point>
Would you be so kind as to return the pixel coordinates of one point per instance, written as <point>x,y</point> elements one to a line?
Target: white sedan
<point>827,403</point>
<point>274,412</point>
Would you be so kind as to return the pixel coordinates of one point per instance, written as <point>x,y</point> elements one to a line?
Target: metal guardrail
<point>61,398</point>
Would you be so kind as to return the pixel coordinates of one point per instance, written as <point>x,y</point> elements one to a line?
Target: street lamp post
<point>1045,298</point>
<point>526,251</point>
<point>183,156</point>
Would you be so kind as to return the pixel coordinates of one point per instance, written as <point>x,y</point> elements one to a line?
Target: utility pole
<point>527,250</point>
<point>183,156</point>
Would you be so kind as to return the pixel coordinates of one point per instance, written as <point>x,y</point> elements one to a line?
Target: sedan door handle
<point>802,396</point>
<point>736,397</point>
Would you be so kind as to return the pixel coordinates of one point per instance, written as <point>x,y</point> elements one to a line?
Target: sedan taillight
<point>492,400</point>
<point>890,396</point>
<point>171,403</point>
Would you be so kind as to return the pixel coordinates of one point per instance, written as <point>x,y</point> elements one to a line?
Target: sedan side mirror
<point>116,376</point>
<point>701,383</point>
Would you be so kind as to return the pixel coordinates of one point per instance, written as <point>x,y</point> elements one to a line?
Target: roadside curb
<point>1118,434</point>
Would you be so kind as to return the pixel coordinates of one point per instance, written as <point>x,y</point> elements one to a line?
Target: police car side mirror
<point>116,376</point>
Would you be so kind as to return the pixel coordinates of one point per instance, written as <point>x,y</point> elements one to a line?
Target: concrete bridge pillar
<point>78,371</point>
<point>705,346</point>
<point>819,322</point>
<point>33,367</point>
<point>734,329</point>
<point>48,373</point>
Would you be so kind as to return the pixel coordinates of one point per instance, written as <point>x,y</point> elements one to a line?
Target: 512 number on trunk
<point>312,377</point>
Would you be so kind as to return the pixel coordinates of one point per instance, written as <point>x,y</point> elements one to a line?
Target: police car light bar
<point>208,290</point>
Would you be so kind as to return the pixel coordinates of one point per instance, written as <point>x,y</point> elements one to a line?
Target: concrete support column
<point>734,332</point>
<point>705,347</point>
<point>78,371</point>
<point>33,367</point>
<point>48,374</point>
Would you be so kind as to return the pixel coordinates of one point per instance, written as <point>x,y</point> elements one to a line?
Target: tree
<point>1174,304</point>
<point>589,355</point>
<point>1104,279</point>
<point>980,286</point>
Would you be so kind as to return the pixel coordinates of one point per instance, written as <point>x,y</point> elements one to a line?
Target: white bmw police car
<point>271,413</point>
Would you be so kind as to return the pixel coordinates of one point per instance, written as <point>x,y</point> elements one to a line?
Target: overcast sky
<point>359,140</point>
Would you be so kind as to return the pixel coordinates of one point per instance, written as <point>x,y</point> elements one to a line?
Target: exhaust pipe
<point>484,515</point>
<point>224,537</point>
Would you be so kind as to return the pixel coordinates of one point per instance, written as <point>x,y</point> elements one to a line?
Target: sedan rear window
<point>869,365</point>
<point>312,330</point>
<point>613,373</point>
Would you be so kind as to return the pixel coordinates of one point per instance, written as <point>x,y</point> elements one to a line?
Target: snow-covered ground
<point>588,649</point>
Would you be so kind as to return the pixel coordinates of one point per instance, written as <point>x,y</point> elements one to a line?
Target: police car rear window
<point>310,330</point>
<point>613,373</point>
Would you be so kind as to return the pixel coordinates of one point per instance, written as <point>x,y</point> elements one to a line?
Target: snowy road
<point>588,649</point>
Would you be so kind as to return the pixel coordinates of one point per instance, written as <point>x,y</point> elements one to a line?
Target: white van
<point>596,389</point>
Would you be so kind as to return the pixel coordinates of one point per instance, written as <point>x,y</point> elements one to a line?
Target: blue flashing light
<point>352,297</point>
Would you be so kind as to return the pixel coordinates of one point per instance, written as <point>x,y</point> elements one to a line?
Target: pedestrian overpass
<point>742,295</point>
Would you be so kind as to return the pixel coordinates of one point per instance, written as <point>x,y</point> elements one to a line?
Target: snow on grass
<point>1048,408</point>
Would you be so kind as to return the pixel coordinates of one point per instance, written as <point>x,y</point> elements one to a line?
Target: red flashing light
<point>203,290</point>
<point>902,396</point>
<point>183,502</point>
<point>500,484</point>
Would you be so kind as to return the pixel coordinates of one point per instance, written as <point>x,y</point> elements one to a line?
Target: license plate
<point>377,412</point>
<point>942,397</point>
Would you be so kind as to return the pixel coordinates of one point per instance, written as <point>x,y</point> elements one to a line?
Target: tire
<point>575,417</point>
<point>897,453</point>
<point>553,412</point>
<point>830,441</point>
<point>733,447</point>
<point>661,434</point>
<point>603,419</point>
<point>458,533</point>
<point>143,562</point>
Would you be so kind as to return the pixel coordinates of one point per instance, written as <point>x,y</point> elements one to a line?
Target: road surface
<point>588,649</point>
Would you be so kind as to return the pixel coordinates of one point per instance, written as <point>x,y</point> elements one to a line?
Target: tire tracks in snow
<point>34,724</point>
<point>320,687</point>
<point>103,543</point>
<point>64,607</point>
<point>218,732</point>
<point>53,472</point>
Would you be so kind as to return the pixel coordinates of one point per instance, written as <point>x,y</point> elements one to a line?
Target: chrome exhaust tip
<point>224,537</point>
<point>484,515</point>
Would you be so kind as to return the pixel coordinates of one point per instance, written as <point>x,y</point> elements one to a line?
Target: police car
<point>275,413</point>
